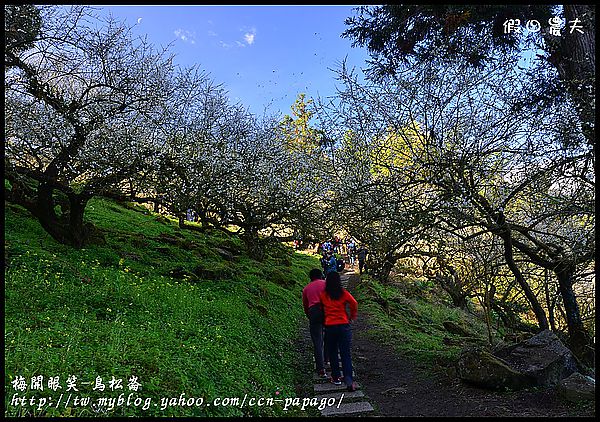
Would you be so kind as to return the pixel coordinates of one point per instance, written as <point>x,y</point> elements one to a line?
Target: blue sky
<point>263,55</point>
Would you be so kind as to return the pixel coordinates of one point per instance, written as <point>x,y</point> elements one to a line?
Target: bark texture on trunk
<point>574,56</point>
<point>540,315</point>
<point>579,340</point>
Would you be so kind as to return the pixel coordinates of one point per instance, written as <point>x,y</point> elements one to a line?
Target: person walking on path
<point>313,309</point>
<point>351,248</point>
<point>324,262</point>
<point>337,328</point>
<point>361,254</point>
<point>331,263</point>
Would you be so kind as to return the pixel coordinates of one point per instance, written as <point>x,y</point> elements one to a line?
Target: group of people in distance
<point>328,249</point>
<point>335,245</point>
<point>357,254</point>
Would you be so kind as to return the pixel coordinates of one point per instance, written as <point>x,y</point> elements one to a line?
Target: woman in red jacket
<point>337,328</point>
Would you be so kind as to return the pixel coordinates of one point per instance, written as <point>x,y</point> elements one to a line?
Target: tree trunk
<point>70,228</point>
<point>386,268</point>
<point>382,270</point>
<point>574,56</point>
<point>508,317</point>
<point>578,68</point>
<point>549,301</point>
<point>579,340</point>
<point>458,296</point>
<point>540,315</point>
<point>77,229</point>
<point>490,292</point>
<point>44,211</point>
<point>254,245</point>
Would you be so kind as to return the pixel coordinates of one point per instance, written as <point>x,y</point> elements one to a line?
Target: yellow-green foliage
<point>395,150</point>
<point>298,134</point>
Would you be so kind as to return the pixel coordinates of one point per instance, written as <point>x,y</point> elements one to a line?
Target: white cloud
<point>185,36</point>
<point>212,33</point>
<point>249,35</point>
<point>249,38</point>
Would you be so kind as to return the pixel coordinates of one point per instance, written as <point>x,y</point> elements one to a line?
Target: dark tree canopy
<point>22,25</point>
<point>398,32</point>
<point>397,35</point>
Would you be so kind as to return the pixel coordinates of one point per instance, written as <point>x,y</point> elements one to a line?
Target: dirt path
<point>397,386</point>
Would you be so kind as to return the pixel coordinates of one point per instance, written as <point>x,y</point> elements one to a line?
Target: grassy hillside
<point>183,312</point>
<point>410,315</point>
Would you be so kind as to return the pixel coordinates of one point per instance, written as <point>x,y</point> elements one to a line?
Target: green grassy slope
<point>155,302</point>
<point>409,315</point>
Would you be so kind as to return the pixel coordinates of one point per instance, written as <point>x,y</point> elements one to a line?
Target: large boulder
<point>542,357</point>
<point>541,360</point>
<point>577,387</point>
<point>478,366</point>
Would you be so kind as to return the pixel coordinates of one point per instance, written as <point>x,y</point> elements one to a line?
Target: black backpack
<point>340,265</point>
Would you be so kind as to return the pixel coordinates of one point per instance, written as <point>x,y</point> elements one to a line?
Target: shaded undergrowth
<point>404,315</point>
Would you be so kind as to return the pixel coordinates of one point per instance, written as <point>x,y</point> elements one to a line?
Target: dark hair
<point>333,285</point>
<point>315,274</point>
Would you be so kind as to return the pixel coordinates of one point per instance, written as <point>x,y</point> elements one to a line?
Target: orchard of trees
<point>464,152</point>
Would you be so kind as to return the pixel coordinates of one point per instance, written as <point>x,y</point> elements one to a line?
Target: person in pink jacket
<point>314,311</point>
